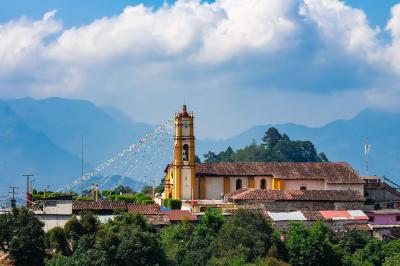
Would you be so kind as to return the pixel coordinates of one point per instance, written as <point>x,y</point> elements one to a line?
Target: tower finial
<point>184,111</point>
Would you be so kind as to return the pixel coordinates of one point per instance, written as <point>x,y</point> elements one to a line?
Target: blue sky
<point>236,63</point>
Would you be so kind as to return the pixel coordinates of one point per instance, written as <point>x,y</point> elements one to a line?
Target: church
<point>187,180</point>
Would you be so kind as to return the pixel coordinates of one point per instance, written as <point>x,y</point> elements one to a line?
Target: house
<point>187,180</point>
<point>385,223</point>
<point>293,200</point>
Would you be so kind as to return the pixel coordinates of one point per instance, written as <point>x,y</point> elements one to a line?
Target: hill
<point>341,140</point>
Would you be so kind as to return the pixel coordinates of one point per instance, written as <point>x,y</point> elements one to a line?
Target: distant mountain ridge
<point>43,137</point>
<point>341,140</point>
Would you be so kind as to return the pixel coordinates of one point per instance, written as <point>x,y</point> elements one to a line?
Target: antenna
<point>367,148</point>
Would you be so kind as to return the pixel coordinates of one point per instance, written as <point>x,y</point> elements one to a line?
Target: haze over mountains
<point>43,137</point>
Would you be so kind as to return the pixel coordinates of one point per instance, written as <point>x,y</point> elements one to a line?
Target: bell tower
<point>180,175</point>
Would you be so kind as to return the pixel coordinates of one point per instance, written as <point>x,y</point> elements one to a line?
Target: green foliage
<point>89,222</point>
<point>245,235</point>
<point>275,148</point>
<point>26,245</point>
<point>123,190</point>
<point>56,240</point>
<point>371,254</point>
<point>139,198</point>
<point>160,187</point>
<point>311,246</point>
<point>172,204</point>
<point>73,230</point>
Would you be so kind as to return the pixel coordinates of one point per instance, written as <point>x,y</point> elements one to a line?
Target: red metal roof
<point>180,215</point>
<point>344,215</point>
<point>331,172</point>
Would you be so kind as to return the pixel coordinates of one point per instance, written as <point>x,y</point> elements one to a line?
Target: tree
<point>271,137</point>
<point>211,157</point>
<point>176,240</point>
<point>311,246</point>
<point>139,248</point>
<point>89,222</point>
<point>123,190</point>
<point>371,254</point>
<point>73,230</point>
<point>56,240</point>
<point>245,235</point>
<point>26,247</point>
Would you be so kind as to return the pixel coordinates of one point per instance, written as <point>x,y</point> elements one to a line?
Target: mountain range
<point>44,137</point>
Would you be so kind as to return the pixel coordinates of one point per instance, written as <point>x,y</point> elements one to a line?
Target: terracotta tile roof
<point>82,205</point>
<point>157,219</point>
<point>358,227</point>
<point>297,195</point>
<point>150,209</point>
<point>334,173</point>
<point>180,215</point>
<point>313,215</point>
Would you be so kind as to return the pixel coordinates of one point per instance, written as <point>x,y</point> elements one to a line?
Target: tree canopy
<point>274,147</point>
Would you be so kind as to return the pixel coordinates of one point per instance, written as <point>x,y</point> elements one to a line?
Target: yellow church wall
<point>277,184</point>
<point>251,182</point>
<point>202,187</point>
<point>226,185</point>
<point>257,181</point>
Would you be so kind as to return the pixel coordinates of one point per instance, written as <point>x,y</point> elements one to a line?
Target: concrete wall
<point>214,187</point>
<point>50,221</point>
<point>310,184</point>
<point>233,182</point>
<point>357,187</point>
<point>58,207</point>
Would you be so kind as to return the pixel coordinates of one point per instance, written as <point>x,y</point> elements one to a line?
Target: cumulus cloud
<point>222,53</point>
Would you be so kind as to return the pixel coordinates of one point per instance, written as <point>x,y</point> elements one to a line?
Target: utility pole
<point>28,192</point>
<point>154,189</point>
<point>82,168</point>
<point>13,201</point>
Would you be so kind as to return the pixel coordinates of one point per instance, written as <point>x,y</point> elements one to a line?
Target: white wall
<point>50,221</point>
<point>214,187</point>
<point>233,182</point>
<point>58,207</point>
<point>186,183</point>
<point>310,184</point>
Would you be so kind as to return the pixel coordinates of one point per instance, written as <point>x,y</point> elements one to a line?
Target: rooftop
<point>331,172</point>
<point>295,195</point>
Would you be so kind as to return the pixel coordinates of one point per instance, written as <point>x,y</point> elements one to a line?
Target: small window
<point>303,187</point>
<point>371,218</point>
<point>238,184</point>
<point>51,203</point>
<point>398,218</point>
<point>263,184</point>
<point>185,152</point>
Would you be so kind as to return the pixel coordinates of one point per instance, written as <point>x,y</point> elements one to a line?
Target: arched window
<point>238,184</point>
<point>185,152</point>
<point>263,184</point>
<point>303,187</point>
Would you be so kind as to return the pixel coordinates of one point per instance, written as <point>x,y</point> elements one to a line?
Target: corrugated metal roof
<point>287,216</point>
<point>344,215</point>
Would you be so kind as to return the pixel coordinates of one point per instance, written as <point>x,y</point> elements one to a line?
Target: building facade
<point>186,180</point>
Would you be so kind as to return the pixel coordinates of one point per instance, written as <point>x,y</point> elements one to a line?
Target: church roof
<point>331,172</point>
<point>296,195</point>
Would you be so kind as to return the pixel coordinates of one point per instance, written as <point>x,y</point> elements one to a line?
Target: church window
<point>238,184</point>
<point>303,187</point>
<point>185,152</point>
<point>263,184</point>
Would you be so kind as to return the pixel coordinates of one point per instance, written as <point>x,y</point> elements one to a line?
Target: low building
<point>178,216</point>
<point>151,213</point>
<point>293,200</point>
<point>382,192</point>
<point>385,223</point>
<point>56,211</point>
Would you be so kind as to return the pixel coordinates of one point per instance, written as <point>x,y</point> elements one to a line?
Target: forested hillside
<point>274,147</point>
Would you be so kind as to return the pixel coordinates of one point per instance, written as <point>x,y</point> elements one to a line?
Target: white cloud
<point>22,42</point>
<point>221,54</point>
